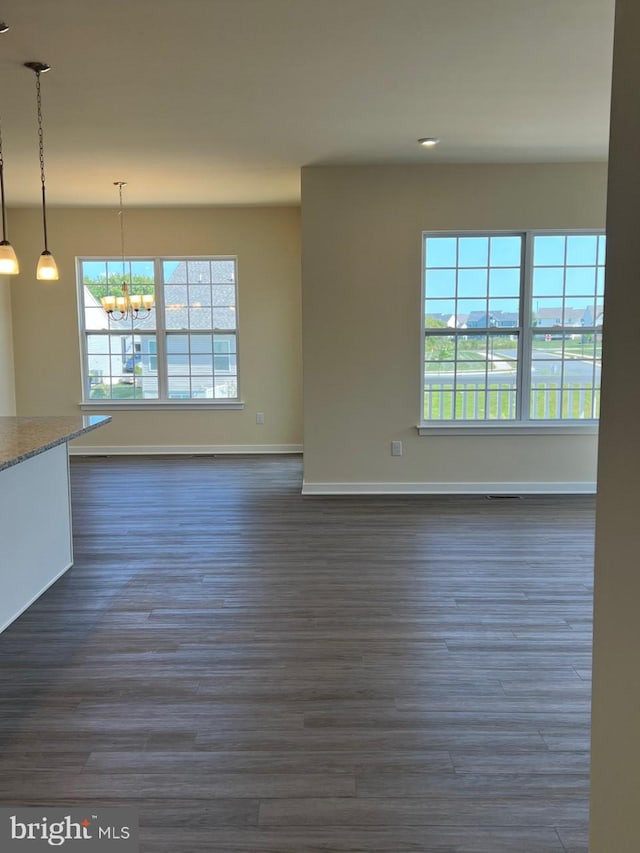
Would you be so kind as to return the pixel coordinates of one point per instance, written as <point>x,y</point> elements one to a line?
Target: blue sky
<point>565,267</point>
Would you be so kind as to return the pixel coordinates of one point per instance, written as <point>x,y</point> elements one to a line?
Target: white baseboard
<point>309,488</point>
<point>182,449</point>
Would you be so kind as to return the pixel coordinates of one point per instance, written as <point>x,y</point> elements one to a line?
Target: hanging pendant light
<point>134,305</point>
<point>47,268</point>
<point>8,260</point>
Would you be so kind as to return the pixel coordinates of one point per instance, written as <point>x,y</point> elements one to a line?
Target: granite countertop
<point>21,438</point>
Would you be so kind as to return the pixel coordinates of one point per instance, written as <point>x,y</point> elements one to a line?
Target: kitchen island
<point>35,506</point>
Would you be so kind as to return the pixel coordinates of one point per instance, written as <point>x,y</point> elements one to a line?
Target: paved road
<point>547,369</point>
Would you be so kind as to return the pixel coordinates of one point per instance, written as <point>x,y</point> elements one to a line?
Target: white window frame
<point>161,333</point>
<point>526,333</point>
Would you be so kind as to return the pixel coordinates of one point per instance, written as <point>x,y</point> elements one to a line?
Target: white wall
<point>45,324</point>
<point>7,382</point>
<point>615,773</point>
<point>361,261</point>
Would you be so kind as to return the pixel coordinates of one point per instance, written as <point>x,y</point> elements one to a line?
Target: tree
<point>438,347</point>
<point>101,286</point>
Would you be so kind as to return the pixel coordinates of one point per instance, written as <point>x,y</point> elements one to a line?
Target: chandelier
<point>126,305</point>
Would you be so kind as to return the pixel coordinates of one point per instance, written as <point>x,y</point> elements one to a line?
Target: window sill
<point>521,428</point>
<point>159,405</point>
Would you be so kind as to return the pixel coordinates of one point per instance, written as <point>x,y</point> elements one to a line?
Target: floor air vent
<point>503,497</point>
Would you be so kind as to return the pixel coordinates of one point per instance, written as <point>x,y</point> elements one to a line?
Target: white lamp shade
<point>47,268</point>
<point>8,260</point>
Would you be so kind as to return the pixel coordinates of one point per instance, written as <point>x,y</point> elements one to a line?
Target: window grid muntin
<point>115,330</point>
<point>191,272</point>
<point>114,352</point>
<point>566,331</point>
<point>487,330</point>
<point>526,329</point>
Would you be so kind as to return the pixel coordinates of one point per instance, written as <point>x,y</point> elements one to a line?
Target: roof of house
<point>193,302</point>
<point>572,316</point>
<point>496,316</point>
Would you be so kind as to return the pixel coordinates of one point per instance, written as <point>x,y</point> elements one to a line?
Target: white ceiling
<point>222,101</point>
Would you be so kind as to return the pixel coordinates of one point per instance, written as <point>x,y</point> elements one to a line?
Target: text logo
<point>37,829</point>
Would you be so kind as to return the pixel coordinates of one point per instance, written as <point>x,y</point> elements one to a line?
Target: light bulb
<point>8,260</point>
<point>47,268</point>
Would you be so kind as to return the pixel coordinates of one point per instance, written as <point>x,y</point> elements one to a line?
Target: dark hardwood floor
<point>259,672</point>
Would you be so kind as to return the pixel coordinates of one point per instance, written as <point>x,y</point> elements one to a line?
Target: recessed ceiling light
<point>428,141</point>
<point>3,27</point>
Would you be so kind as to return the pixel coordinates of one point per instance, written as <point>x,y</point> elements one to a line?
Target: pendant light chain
<point>47,269</point>
<point>41,147</point>
<point>8,261</point>
<point>121,215</point>
<point>125,285</point>
<point>4,211</point>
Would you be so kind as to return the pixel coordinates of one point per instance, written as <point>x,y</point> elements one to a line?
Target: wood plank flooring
<point>259,672</point>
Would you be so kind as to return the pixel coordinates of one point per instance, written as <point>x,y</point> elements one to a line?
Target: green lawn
<point>121,391</point>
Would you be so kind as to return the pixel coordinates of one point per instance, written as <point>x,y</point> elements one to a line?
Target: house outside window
<point>184,351</point>
<point>512,328</point>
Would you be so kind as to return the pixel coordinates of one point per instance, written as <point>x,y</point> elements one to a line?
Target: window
<point>184,350</point>
<point>512,327</point>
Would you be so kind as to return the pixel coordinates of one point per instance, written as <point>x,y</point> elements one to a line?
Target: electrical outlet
<point>396,448</point>
<point>259,417</point>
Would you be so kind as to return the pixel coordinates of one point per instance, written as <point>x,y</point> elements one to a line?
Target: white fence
<point>497,401</point>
